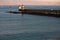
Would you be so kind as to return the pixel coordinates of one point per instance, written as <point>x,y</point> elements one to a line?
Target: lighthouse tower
<point>21,7</point>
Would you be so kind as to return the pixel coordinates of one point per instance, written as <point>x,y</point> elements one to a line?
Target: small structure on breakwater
<point>21,7</point>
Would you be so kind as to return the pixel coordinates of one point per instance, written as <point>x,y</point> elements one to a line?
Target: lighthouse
<point>21,7</point>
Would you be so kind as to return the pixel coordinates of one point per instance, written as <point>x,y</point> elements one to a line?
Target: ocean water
<point>28,27</point>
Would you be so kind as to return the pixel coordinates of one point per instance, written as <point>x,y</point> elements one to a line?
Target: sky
<point>30,2</point>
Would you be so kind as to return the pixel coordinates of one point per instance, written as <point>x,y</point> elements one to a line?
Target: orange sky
<point>30,2</point>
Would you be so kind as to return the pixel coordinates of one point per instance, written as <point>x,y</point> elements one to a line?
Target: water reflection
<point>22,19</point>
<point>22,12</point>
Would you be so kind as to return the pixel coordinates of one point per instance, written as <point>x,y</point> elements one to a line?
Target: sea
<point>28,27</point>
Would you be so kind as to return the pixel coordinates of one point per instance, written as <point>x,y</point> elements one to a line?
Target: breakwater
<point>55,13</point>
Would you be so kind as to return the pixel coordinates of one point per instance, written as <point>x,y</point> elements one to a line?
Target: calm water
<point>28,27</point>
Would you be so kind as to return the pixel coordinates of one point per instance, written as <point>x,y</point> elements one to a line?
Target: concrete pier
<point>55,13</point>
